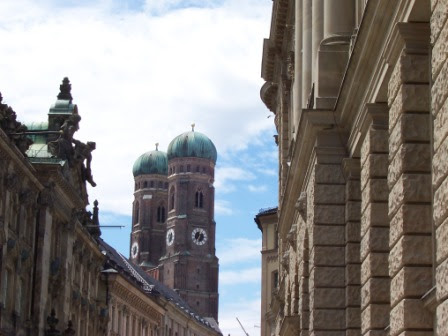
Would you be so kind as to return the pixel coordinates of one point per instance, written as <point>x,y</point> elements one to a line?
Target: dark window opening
<point>151,184</point>
<point>199,199</point>
<point>136,212</point>
<point>171,205</point>
<point>145,184</point>
<point>161,214</point>
<point>181,169</point>
<point>188,168</point>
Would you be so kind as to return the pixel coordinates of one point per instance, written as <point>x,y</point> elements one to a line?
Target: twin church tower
<point>173,227</point>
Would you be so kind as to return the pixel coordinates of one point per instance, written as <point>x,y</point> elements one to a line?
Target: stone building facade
<point>57,276</point>
<point>173,232</point>
<point>358,89</point>
<point>266,221</point>
<point>49,257</point>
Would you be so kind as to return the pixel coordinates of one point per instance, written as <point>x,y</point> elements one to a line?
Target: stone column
<point>409,179</point>
<point>306,50</point>
<point>352,242</point>
<point>339,17</point>
<point>374,249</point>
<point>317,34</point>
<point>297,86</point>
<point>339,23</point>
<point>439,69</point>
<point>360,5</point>
<point>326,222</point>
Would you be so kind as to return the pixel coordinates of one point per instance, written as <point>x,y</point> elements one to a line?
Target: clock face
<point>199,236</point>
<point>170,237</point>
<point>134,250</point>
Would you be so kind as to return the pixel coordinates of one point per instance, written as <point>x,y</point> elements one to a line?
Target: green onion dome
<point>192,144</point>
<point>153,162</point>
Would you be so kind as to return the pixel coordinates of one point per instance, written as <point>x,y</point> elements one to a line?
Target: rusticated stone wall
<point>374,249</point>
<point>409,180</point>
<point>439,103</point>
<point>326,225</point>
<point>352,245</point>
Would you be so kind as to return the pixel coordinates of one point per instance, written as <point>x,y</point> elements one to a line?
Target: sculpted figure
<point>84,152</point>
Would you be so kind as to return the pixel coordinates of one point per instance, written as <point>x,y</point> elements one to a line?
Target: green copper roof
<point>38,126</point>
<point>153,162</point>
<point>192,144</point>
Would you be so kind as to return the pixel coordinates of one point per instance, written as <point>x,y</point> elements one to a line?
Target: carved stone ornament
<point>301,204</point>
<point>292,236</point>
<point>285,259</point>
<point>52,322</point>
<point>69,331</point>
<point>12,182</point>
<point>46,196</point>
<point>14,129</point>
<point>27,197</point>
<point>290,66</point>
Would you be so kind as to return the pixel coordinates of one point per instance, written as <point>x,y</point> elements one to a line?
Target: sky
<point>142,71</point>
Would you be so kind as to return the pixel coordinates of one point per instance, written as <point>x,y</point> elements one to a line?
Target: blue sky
<point>141,73</point>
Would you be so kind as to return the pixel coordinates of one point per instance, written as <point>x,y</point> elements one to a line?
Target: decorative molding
<point>301,204</point>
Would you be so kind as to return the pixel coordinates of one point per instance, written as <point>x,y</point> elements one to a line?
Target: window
<point>181,169</point>
<point>160,185</point>
<point>136,212</point>
<point>203,170</point>
<point>161,214</point>
<point>197,169</point>
<point>188,168</point>
<point>199,199</point>
<point>145,184</point>
<point>151,184</point>
<point>274,280</point>
<point>172,191</point>
<point>166,185</point>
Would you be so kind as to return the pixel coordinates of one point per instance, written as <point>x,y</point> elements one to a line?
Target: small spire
<point>192,127</point>
<point>95,213</point>
<point>157,146</point>
<point>65,90</point>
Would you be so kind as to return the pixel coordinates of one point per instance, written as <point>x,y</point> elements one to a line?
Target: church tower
<point>190,265</point>
<point>173,227</point>
<point>149,209</point>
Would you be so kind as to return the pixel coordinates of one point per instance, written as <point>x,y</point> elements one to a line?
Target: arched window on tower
<point>136,212</point>
<point>161,214</point>
<point>199,199</point>
<point>171,205</point>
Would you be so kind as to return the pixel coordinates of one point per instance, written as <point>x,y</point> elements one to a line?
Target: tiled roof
<point>147,284</point>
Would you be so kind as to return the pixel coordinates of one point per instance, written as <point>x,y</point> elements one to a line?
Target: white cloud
<point>223,208</point>
<point>239,250</point>
<point>247,311</point>
<point>139,78</point>
<point>254,188</point>
<point>225,176</point>
<point>241,276</point>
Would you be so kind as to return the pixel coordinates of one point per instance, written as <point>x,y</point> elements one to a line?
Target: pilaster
<point>439,92</point>
<point>374,248</point>
<point>409,181</point>
<point>326,220</point>
<point>351,168</point>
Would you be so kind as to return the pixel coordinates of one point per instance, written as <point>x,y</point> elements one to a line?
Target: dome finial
<point>157,146</point>
<point>192,127</point>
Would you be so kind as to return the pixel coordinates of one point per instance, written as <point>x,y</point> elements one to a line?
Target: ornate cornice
<point>123,292</point>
